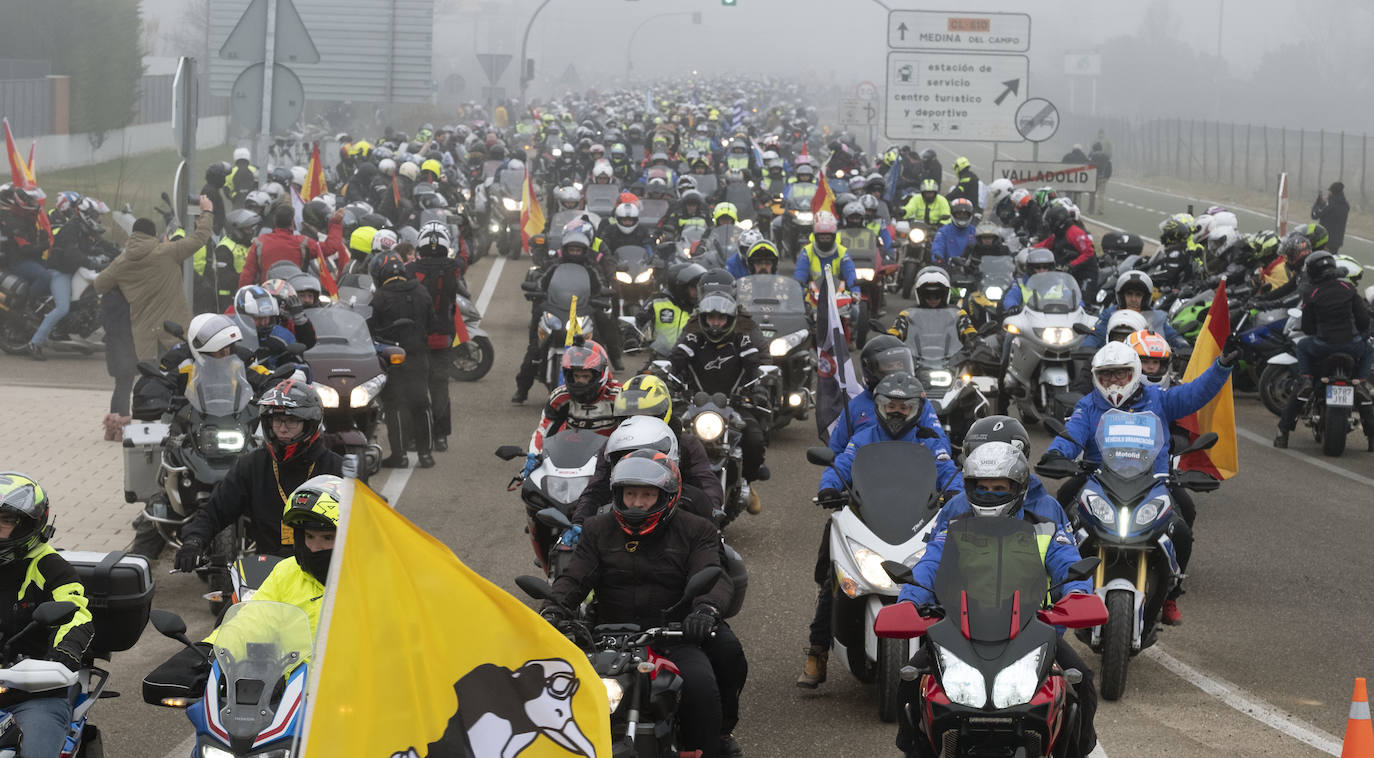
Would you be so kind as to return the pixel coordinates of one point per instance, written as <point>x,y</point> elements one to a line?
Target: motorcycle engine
<point>14,292</point>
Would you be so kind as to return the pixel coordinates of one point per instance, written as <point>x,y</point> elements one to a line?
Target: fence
<point>28,104</point>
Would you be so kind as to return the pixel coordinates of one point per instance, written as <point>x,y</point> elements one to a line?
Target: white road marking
<point>489,288</point>
<point>1247,704</point>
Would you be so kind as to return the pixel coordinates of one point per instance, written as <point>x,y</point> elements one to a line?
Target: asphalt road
<point>1276,618</point>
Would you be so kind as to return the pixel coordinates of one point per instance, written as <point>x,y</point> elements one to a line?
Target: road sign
<point>964,31</point>
<point>248,41</point>
<point>1063,177</point>
<point>185,93</point>
<point>1037,119</point>
<point>494,64</point>
<point>952,96</point>
<point>1082,64</point>
<point>856,112</point>
<point>866,91</point>
<point>288,98</point>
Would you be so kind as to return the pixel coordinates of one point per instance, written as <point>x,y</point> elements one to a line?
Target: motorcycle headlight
<point>329,397</point>
<point>363,393</point>
<point>963,683</point>
<point>556,152</point>
<point>1151,510</point>
<point>864,274</point>
<point>510,203</point>
<point>747,224</point>
<point>941,378</point>
<point>614,692</point>
<point>210,751</point>
<point>1056,335</point>
<point>623,277</point>
<point>644,276</point>
<point>565,489</point>
<point>805,217</point>
<point>1016,684</point>
<point>1101,509</point>
<point>871,568</point>
<point>709,426</point>
<point>783,345</point>
<point>993,293</point>
<point>1123,527</point>
<point>495,226</point>
<point>917,236</point>
<point>229,441</point>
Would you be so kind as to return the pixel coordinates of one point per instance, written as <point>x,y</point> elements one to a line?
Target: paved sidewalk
<point>55,436</point>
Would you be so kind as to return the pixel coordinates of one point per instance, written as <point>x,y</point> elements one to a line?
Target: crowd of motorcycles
<point>581,158</point>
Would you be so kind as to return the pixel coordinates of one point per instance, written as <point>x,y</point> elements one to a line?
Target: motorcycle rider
<point>257,312</point>
<point>899,399</point>
<point>737,263</point>
<point>1335,319</point>
<point>261,478</point>
<point>932,291</point>
<point>1038,261</point>
<point>719,352</point>
<point>966,184</point>
<point>1116,375</point>
<point>441,274</point>
<point>1294,249</point>
<point>1072,246</point>
<point>928,206</point>
<point>400,299</point>
<point>1134,291</point>
<point>997,484</point>
<point>31,573</point>
<point>73,242</point>
<point>955,237</point>
<point>762,258</point>
<point>637,560</point>
<point>690,210</point>
<point>669,312</point>
<point>882,354</point>
<point>227,260</point>
<point>824,250</point>
<point>585,399</point>
<point>282,244</point>
<point>624,230</point>
<point>242,178</point>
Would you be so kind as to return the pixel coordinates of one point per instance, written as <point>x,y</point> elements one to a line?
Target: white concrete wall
<point>58,151</point>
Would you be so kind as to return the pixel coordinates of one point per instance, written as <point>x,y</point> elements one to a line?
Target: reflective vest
<point>669,321</point>
<point>701,145</point>
<point>229,180</point>
<point>240,254</point>
<point>737,162</point>
<point>936,214</point>
<point>814,261</point>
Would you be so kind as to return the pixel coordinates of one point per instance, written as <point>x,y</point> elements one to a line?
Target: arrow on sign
<point>901,29</point>
<point>1012,87</point>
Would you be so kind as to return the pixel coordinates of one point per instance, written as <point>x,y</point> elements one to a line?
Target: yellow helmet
<point>644,395</point>
<point>433,166</point>
<point>362,148</point>
<point>314,504</point>
<point>361,239</point>
<point>960,164</point>
<point>725,209</point>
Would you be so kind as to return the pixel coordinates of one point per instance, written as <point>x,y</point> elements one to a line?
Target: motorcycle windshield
<point>894,483</point>
<point>1130,442</point>
<point>726,238</point>
<point>706,184</point>
<point>355,292</point>
<point>219,387</point>
<point>632,258</point>
<point>571,448</point>
<point>1053,292</point>
<point>693,232</point>
<point>513,183</point>
<point>802,192</point>
<point>258,645</point>
<point>770,293</point>
<point>991,576</point>
<point>742,195</point>
<point>997,271</point>
<point>933,334</point>
<point>601,198</point>
<point>340,333</point>
<point>569,280</point>
<point>653,210</point>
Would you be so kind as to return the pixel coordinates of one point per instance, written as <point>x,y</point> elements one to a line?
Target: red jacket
<point>1081,241</point>
<point>562,411</point>
<point>285,245</point>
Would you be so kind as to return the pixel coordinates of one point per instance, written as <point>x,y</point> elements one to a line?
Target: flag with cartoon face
<point>419,657</point>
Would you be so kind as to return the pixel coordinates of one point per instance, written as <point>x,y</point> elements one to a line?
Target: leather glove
<point>571,536</point>
<point>1051,456</point>
<point>1229,353</point>
<point>700,623</point>
<point>555,614</point>
<point>531,461</point>
<point>188,557</point>
<point>829,498</point>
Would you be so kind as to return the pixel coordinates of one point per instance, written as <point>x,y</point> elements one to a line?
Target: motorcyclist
<point>997,484</point>
<point>283,244</point>
<point>669,312</point>
<point>403,312</point>
<point>1335,319</point>
<point>953,238</point>
<point>1072,246</point>
<point>1116,375</point>
<point>219,281</point>
<point>1038,261</point>
<point>637,559</point>
<point>690,210</point>
<point>899,399</point>
<point>585,400</point>
<point>1134,291</point>
<point>258,483</point>
<point>1294,249</point>
<point>928,206</point>
<point>932,291</point>
<point>966,184</point>
<point>825,250</point>
<point>293,317</point>
<point>882,354</point>
<point>76,240</point>
<point>760,258</point>
<point>719,352</point>
<point>624,230</point>
<point>258,312</point>
<point>243,177</point>
<point>441,275</point>
<point>930,167</point>
<point>989,239</point>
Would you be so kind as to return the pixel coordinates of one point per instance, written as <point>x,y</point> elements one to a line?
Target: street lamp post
<point>524,47</point>
<point>629,46</point>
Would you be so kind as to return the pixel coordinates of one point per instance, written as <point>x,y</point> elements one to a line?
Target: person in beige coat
<point>149,273</point>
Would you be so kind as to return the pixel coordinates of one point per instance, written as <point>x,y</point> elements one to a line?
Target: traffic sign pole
<point>269,69</point>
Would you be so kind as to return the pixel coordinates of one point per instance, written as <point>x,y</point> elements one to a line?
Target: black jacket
<point>696,471</point>
<point>635,578</point>
<point>1335,312</point>
<point>439,275</point>
<point>1332,212</point>
<point>403,299</point>
<point>718,366</point>
<point>252,489</point>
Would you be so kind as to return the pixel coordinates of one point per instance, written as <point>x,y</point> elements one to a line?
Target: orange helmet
<point>1148,344</point>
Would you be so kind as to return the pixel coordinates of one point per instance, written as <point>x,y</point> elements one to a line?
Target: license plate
<point>1340,395</point>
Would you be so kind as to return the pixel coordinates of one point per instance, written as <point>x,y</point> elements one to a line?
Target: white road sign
<point>856,112</point>
<point>1037,119</point>
<point>950,96</point>
<point>1063,177</point>
<point>964,31</point>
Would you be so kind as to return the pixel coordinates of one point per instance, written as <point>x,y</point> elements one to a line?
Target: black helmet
<point>905,396</point>
<point>316,213</point>
<point>1295,248</point>
<point>884,354</point>
<point>717,302</point>
<point>388,266</point>
<point>1321,266</point>
<point>22,497</point>
<point>217,173</point>
<point>997,429</point>
<point>1056,218</point>
<point>296,399</point>
<point>716,280</point>
<point>645,468</point>
<point>682,277</point>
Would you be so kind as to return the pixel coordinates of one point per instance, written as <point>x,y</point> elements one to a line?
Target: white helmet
<point>853,208</point>
<point>1126,321</point>
<point>748,238</point>
<point>210,333</point>
<point>1136,277</point>
<point>516,165</point>
<point>274,191</point>
<point>384,240</point>
<point>602,168</point>
<point>641,433</point>
<point>1202,227</point>
<point>298,175</point>
<point>387,166</point>
<point>409,170</point>
<point>242,154</point>
<point>996,460</point>
<point>1116,355</point>
<point>568,197</point>
<point>627,216</point>
<point>931,275</point>
<point>434,234</point>
<point>999,189</point>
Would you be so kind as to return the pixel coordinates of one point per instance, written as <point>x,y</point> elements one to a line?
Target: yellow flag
<point>419,657</point>
<point>573,327</point>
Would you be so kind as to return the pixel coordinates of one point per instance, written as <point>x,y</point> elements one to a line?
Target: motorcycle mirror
<point>700,582</point>
<point>1205,442</point>
<point>174,329</point>
<point>296,348</point>
<point>1083,569</point>
<point>535,587</point>
<point>769,370</point>
<point>167,624</point>
<point>54,613</point>
<point>1055,426</point>
<point>509,452</point>
<point>820,456</point>
<point>1082,328</point>
<point>899,572</point>
<point>553,517</point>
<point>1197,481</point>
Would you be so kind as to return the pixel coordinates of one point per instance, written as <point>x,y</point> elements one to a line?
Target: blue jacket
<point>1040,507</point>
<point>737,266</point>
<point>948,478</point>
<point>1016,295</point>
<point>863,413</point>
<point>950,242</point>
<point>1178,402</point>
<point>802,273</point>
<point>1157,319</point>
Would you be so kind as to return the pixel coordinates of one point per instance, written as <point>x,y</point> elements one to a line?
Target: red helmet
<point>645,468</point>
<point>587,356</point>
<point>631,198</point>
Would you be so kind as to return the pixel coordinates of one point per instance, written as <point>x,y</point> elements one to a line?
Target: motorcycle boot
<point>1288,420</point>
<point>755,505</point>
<point>813,673</point>
<point>729,747</point>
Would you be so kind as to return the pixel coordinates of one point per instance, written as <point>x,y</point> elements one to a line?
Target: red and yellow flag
<point>531,214</point>
<point>314,177</point>
<point>21,173</point>
<point>1220,414</point>
<point>824,199</point>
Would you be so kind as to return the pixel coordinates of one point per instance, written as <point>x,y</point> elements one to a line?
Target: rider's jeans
<point>1312,351</point>
<point>43,721</point>
<point>61,286</point>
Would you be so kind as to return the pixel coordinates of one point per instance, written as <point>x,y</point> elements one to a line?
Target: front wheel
<point>1336,421</point>
<point>861,328</point>
<point>223,550</point>
<point>473,359</point>
<point>891,659</point>
<point>1276,383</point>
<point>907,279</point>
<point>1116,643</point>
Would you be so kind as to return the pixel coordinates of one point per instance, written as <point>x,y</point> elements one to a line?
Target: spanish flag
<point>824,199</point>
<point>531,214</point>
<point>419,657</point>
<point>1220,414</point>
<point>314,177</point>
<point>21,173</point>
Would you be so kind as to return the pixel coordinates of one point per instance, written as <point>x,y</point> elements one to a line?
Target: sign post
<point>268,31</point>
<point>1037,120</point>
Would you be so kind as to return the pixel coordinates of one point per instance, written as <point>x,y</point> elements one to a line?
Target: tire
<point>1336,421</point>
<point>473,359</point>
<point>1116,643</point>
<point>891,658</point>
<point>861,328</point>
<point>1275,385</point>
<point>908,280</point>
<point>92,744</point>
<point>859,664</point>
<point>13,337</point>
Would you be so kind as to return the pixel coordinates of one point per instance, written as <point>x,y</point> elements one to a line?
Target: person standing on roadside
<point>1331,211</point>
<point>120,361</point>
<point>149,273</point>
<point>1103,161</point>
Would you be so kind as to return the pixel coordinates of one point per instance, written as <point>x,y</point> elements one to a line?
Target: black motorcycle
<point>350,372</point>
<point>778,305</point>
<point>82,329</point>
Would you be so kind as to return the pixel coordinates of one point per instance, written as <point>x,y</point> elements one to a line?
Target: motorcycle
<point>569,281</point>
<point>995,689</point>
<point>634,277</point>
<point>993,276</point>
<point>1331,408</point>
<point>797,223</point>
<point>601,199</point>
<point>1043,337</point>
<point>861,245</point>
<point>944,368</point>
<point>778,305</point>
<point>254,698</point>
<point>888,516</point>
<point>82,329</point>
<point>504,206</point>
<point>1124,513</point>
<point>349,368</point>
<point>1279,376</point>
<point>565,466</point>
<point>916,238</point>
<point>712,418</point>
<point>473,356</point>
